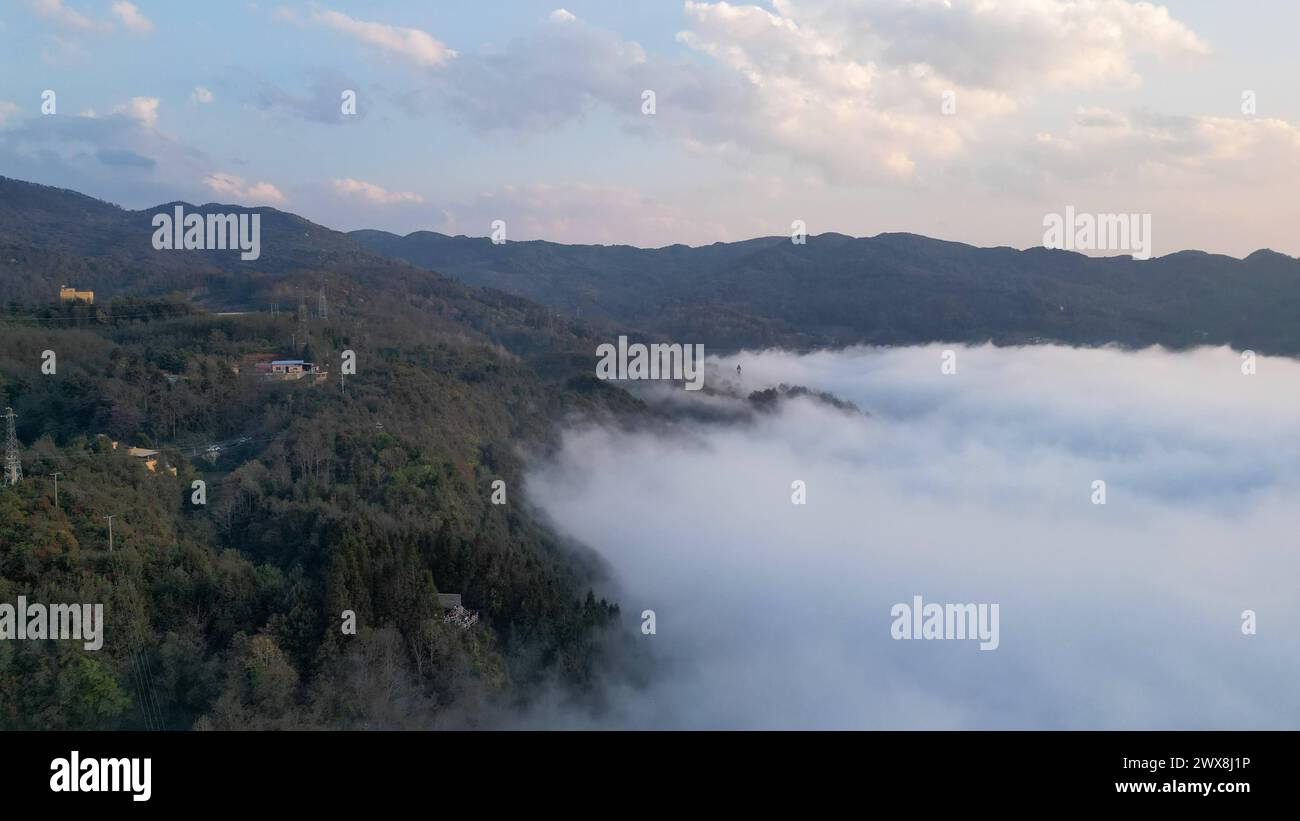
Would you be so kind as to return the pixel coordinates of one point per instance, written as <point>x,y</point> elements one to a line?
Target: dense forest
<point>892,289</point>
<point>371,493</point>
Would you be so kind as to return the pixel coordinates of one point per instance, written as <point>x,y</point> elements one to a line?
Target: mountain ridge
<point>834,290</point>
<point>376,232</point>
<point>893,288</point>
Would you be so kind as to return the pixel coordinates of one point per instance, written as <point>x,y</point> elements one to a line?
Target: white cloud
<point>1138,162</point>
<point>201,95</point>
<point>544,80</point>
<point>373,194</point>
<point>61,15</point>
<point>143,109</point>
<point>974,487</point>
<point>1167,153</point>
<point>826,97</point>
<point>852,93</point>
<point>131,17</point>
<point>413,45</point>
<point>256,193</point>
<point>1001,45</point>
<point>854,89</point>
<point>7,109</point>
<point>122,157</point>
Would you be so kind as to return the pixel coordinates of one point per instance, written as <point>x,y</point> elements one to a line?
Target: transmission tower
<point>323,310</point>
<point>13,464</point>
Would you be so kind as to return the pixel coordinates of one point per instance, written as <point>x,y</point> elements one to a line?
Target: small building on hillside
<point>290,369</point>
<point>454,613</point>
<point>69,294</point>
<point>149,456</point>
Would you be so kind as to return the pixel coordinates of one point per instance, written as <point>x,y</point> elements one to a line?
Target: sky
<point>976,487</point>
<point>967,120</point>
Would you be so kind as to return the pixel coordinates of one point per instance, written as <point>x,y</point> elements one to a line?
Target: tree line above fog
<point>889,289</point>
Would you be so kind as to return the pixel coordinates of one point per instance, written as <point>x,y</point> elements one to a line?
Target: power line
<point>141,671</point>
<point>137,637</point>
<point>98,317</point>
<point>187,451</point>
<point>13,462</point>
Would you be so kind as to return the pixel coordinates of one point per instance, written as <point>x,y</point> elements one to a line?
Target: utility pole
<point>56,476</point>
<point>13,463</point>
<point>110,533</point>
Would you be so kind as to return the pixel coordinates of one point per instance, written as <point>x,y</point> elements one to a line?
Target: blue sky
<point>814,110</point>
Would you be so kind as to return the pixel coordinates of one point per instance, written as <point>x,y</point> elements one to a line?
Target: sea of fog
<point>970,487</point>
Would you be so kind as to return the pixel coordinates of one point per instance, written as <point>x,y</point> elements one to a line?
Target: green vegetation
<point>892,289</point>
<point>371,497</point>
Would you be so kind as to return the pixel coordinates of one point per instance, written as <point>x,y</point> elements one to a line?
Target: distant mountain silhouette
<point>887,289</point>
<point>835,290</point>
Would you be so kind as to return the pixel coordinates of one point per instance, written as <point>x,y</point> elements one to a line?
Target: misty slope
<point>889,289</point>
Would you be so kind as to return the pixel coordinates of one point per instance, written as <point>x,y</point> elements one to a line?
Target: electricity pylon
<point>13,462</point>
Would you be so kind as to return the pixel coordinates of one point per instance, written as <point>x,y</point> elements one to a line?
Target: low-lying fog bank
<point>971,487</point>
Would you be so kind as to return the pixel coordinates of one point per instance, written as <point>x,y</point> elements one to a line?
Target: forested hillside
<point>371,495</point>
<point>888,289</point>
